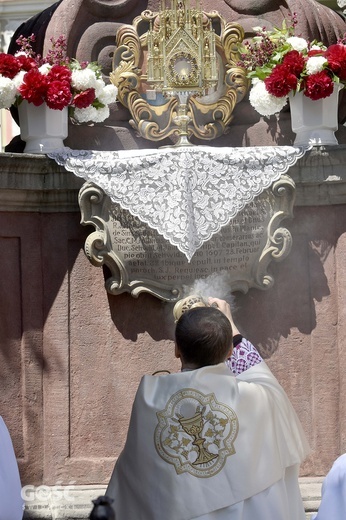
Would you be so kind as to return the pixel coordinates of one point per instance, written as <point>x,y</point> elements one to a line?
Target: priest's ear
<point>176,351</point>
<point>230,352</point>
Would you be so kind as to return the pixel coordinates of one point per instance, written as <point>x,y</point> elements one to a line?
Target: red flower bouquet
<point>55,80</point>
<point>280,63</point>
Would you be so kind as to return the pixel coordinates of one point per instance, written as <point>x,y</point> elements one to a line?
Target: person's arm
<point>244,353</point>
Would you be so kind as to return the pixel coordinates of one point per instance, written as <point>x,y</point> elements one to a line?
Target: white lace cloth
<point>187,194</point>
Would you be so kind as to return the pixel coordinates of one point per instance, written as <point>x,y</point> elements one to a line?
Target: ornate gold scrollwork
<point>177,72</point>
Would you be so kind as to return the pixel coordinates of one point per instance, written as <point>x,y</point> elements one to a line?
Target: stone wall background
<point>71,356</point>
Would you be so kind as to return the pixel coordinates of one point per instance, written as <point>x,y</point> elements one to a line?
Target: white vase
<point>42,128</point>
<point>315,122</point>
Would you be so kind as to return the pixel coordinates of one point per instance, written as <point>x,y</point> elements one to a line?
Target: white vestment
<point>333,503</point>
<point>11,502</point>
<point>206,444</point>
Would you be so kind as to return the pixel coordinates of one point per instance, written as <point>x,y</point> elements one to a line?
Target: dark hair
<point>203,336</point>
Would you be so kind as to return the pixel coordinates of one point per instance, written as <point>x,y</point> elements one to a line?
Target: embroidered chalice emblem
<point>194,426</point>
<point>196,433</point>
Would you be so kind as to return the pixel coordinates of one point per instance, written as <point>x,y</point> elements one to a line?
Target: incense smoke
<point>217,285</point>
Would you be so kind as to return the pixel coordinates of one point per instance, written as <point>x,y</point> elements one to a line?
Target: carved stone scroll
<point>141,260</point>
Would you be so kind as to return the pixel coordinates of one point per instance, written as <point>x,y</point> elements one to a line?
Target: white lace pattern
<point>187,194</point>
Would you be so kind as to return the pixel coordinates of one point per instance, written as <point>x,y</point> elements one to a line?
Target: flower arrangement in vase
<point>281,64</point>
<point>54,80</point>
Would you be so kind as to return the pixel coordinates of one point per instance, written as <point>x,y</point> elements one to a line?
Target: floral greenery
<point>280,63</point>
<point>55,80</point>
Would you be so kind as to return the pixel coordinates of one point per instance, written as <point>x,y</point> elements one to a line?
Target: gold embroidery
<point>196,433</point>
<point>194,426</point>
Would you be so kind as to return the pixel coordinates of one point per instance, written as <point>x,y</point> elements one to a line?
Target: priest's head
<point>203,336</point>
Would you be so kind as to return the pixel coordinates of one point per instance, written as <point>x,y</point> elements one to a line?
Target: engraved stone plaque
<point>140,259</point>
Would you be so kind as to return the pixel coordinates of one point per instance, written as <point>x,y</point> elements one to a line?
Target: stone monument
<point>246,244</point>
<point>91,26</point>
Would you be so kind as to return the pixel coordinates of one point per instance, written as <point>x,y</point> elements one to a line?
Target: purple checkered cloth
<point>244,356</point>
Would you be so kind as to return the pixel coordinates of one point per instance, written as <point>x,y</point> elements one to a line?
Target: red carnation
<point>84,99</point>
<point>336,56</point>
<point>26,63</point>
<point>281,81</point>
<point>316,52</point>
<point>58,95</point>
<point>34,87</point>
<point>59,73</point>
<point>318,86</point>
<point>295,62</point>
<point>9,65</point>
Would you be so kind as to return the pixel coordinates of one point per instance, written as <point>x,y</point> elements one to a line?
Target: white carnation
<point>101,114</point>
<point>319,47</point>
<point>99,86</point>
<point>315,64</point>
<point>18,79</point>
<point>298,44</point>
<point>8,92</point>
<point>264,103</point>
<point>108,94</point>
<point>45,68</point>
<point>83,79</point>
<point>91,114</point>
<point>84,115</point>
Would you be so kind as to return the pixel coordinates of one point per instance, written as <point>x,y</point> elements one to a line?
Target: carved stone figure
<point>90,27</point>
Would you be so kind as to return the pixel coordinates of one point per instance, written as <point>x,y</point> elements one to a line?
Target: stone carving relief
<point>140,260</point>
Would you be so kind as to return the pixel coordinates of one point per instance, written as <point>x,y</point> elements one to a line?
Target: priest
<point>207,443</point>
